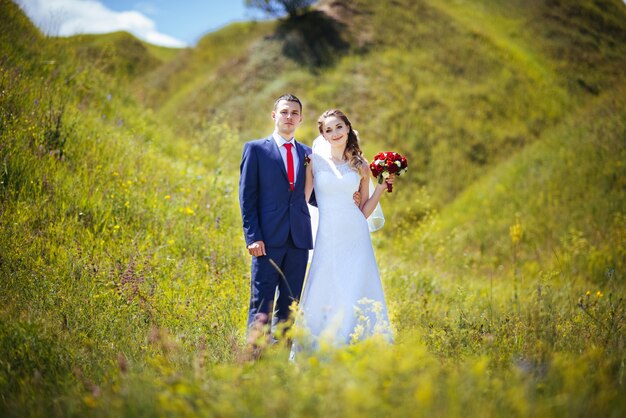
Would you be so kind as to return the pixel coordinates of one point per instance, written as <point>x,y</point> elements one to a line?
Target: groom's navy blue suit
<point>279,217</point>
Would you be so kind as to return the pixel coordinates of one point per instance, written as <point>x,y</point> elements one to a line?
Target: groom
<point>276,219</point>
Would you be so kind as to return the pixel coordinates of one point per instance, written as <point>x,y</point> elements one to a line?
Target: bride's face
<point>335,131</point>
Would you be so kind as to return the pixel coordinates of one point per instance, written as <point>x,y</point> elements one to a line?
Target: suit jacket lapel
<point>301,177</point>
<point>274,154</point>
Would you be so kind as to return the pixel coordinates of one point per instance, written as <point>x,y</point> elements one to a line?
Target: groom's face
<point>287,117</point>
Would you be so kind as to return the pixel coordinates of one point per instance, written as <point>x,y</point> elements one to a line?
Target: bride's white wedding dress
<point>343,299</point>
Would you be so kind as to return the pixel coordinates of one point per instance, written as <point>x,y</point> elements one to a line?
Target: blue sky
<point>175,23</point>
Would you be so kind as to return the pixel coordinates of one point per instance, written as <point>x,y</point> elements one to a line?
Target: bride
<point>343,299</point>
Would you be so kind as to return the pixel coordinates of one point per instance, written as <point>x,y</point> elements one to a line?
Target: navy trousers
<point>283,268</point>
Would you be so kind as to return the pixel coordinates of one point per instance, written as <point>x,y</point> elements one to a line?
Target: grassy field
<point>123,276</point>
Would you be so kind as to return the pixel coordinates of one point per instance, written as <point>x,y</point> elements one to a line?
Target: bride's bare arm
<point>308,184</point>
<point>368,203</point>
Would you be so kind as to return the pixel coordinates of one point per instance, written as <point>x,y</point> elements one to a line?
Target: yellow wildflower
<point>515,231</point>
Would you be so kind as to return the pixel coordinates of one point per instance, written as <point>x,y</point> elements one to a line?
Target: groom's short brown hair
<point>290,98</point>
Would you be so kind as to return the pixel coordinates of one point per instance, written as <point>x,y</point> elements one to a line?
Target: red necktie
<point>290,171</point>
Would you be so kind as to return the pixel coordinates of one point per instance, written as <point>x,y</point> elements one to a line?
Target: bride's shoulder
<point>365,166</point>
<point>365,169</point>
<point>320,162</point>
<point>317,157</point>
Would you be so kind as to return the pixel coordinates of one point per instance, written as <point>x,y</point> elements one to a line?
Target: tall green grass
<point>112,227</point>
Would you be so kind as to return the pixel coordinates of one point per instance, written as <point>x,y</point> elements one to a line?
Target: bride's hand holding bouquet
<point>386,166</point>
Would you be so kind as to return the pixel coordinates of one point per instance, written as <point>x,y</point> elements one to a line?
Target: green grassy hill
<point>464,86</point>
<point>119,54</point>
<point>123,280</point>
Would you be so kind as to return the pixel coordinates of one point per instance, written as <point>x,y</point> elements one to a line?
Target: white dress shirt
<point>280,141</point>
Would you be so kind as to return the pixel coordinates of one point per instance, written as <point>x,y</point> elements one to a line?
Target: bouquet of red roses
<point>386,163</point>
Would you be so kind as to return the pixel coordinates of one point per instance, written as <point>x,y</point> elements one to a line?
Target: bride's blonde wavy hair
<point>353,151</point>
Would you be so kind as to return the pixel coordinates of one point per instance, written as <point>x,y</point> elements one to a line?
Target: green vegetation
<point>119,54</point>
<point>123,280</point>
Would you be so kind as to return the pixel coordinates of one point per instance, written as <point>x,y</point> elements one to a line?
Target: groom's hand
<point>257,249</point>
<point>357,198</point>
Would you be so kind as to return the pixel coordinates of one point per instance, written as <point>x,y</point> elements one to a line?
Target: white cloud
<point>71,17</point>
